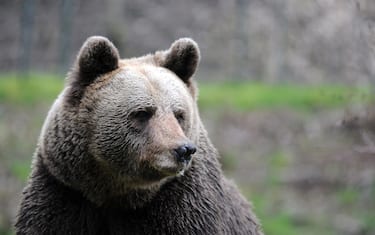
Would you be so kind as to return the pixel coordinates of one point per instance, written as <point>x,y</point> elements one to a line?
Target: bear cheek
<point>111,145</point>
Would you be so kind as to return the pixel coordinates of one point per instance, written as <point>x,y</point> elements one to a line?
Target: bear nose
<point>184,152</point>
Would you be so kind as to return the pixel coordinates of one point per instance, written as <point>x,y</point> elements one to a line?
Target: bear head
<point>123,125</point>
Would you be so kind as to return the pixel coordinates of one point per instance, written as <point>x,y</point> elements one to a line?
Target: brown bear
<point>123,151</point>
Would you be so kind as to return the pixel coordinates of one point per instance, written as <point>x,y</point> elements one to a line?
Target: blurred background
<point>286,93</point>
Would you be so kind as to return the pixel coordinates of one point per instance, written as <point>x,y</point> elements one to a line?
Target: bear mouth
<point>179,169</point>
<point>163,167</point>
<point>168,168</point>
<point>153,175</point>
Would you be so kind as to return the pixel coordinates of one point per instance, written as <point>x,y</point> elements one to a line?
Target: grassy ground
<point>274,124</point>
<point>16,89</point>
<point>241,95</point>
<point>250,96</point>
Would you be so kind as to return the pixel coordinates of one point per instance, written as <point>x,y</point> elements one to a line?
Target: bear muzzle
<point>176,161</point>
<point>183,152</point>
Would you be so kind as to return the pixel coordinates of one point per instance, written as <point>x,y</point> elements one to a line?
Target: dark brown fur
<point>99,170</point>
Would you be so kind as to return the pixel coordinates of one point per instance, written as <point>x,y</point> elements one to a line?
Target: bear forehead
<point>136,83</point>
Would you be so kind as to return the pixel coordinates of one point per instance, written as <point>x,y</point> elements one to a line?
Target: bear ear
<point>96,57</point>
<point>182,58</point>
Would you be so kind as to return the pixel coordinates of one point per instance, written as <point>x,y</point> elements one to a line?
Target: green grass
<point>250,95</point>
<point>240,96</point>
<point>369,221</point>
<point>348,196</point>
<point>20,170</point>
<point>30,89</point>
<point>275,221</point>
<point>4,231</point>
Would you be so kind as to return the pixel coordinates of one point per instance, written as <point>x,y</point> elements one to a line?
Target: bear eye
<point>180,116</point>
<point>142,115</point>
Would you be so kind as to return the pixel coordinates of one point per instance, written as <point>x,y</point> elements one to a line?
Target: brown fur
<point>106,160</point>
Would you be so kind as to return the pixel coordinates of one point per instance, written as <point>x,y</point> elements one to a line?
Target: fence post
<point>66,15</point>
<point>27,24</point>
